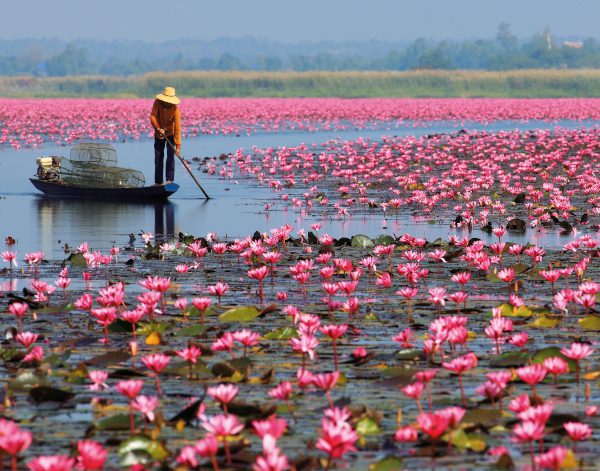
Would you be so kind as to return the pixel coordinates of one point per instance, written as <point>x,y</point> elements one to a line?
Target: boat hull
<point>62,190</point>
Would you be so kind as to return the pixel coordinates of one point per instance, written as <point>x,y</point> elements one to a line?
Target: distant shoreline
<point>534,83</point>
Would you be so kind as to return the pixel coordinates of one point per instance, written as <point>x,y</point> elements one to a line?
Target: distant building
<point>573,44</point>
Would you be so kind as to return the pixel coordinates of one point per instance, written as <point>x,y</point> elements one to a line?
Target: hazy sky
<point>292,21</point>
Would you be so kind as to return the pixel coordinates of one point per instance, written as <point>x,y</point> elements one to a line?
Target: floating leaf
<point>549,352</point>
<point>77,260</point>
<point>120,326</point>
<point>160,327</point>
<point>28,380</point>
<point>49,394</point>
<point>108,358</point>
<point>11,354</point>
<point>229,368</point>
<point>141,450</point>
<point>362,241</point>
<point>509,311</point>
<point>240,314</point>
<point>461,439</point>
<point>411,354</point>
<point>189,414</point>
<point>520,268</point>
<point>253,411</point>
<point>590,322</point>
<point>62,308</point>
<point>389,463</point>
<point>117,422</point>
<point>510,360</point>
<point>546,322</point>
<point>191,331</point>
<point>383,239</point>
<point>283,333</point>
<point>483,417</point>
<point>504,462</point>
<point>367,426</point>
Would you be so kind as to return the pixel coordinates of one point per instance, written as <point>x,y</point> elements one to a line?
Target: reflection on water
<point>99,222</point>
<point>164,220</point>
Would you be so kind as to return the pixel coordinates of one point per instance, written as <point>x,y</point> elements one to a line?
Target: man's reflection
<point>164,221</point>
<point>99,222</point>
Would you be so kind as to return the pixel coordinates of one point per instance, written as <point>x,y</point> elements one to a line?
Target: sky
<point>294,21</point>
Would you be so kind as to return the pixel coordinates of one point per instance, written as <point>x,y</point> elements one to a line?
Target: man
<point>166,119</point>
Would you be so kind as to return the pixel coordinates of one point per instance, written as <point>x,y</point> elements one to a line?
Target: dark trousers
<point>159,157</point>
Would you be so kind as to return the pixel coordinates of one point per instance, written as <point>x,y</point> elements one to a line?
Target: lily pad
<point>485,417</point>
<point>367,426</point>
<point>460,439</point>
<point>546,322</point>
<point>240,314</point>
<point>283,333</point>
<point>362,241</point>
<point>109,358</point>
<point>389,463</point>
<point>590,322</point>
<point>77,260</point>
<point>383,239</point>
<point>510,360</point>
<point>509,311</point>
<point>549,352</point>
<point>191,331</point>
<point>117,422</point>
<point>141,450</point>
<point>49,394</point>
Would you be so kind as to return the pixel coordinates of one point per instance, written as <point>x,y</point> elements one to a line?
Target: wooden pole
<point>186,167</point>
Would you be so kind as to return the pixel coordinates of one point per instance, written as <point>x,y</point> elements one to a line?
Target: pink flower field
<point>294,349</point>
<point>27,122</point>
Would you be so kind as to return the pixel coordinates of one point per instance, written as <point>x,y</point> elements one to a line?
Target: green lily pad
<point>141,450</point>
<point>117,422</point>
<point>389,463</point>
<point>160,327</point>
<point>240,314</point>
<point>510,360</point>
<point>191,331</point>
<point>590,322</point>
<point>546,322</point>
<point>460,439</point>
<point>383,239</point>
<point>283,333</point>
<point>483,417</point>
<point>56,309</point>
<point>77,260</point>
<point>367,426</point>
<point>362,241</point>
<point>509,311</point>
<point>27,380</point>
<point>549,352</point>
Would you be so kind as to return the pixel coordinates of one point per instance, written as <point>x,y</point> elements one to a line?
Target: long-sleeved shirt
<point>168,119</point>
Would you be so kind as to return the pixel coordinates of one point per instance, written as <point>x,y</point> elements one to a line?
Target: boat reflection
<point>104,223</point>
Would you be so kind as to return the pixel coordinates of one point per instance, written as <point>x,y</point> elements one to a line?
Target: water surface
<point>236,207</point>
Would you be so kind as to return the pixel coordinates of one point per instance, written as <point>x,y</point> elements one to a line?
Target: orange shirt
<point>168,119</point>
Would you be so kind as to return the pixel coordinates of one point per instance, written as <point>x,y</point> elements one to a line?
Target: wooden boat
<point>61,189</point>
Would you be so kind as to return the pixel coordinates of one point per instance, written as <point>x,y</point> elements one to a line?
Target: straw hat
<point>168,96</point>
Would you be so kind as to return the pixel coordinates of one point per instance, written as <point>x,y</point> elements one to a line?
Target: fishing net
<point>95,165</point>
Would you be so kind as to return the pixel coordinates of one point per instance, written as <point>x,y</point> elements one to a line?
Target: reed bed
<point>419,83</point>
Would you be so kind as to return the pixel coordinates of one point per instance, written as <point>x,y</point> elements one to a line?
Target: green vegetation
<point>422,83</point>
<point>504,51</point>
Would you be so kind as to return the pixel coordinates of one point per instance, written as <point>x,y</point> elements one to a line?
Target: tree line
<point>503,52</point>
